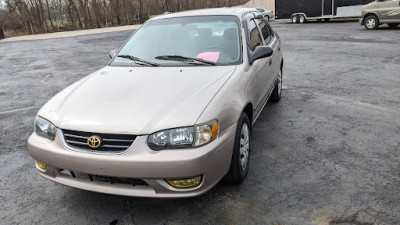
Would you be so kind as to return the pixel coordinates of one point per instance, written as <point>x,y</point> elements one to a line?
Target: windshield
<point>212,39</point>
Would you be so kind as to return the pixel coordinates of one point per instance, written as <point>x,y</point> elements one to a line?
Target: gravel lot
<point>328,153</point>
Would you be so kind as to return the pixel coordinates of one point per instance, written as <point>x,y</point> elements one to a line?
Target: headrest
<point>231,34</point>
<point>204,32</point>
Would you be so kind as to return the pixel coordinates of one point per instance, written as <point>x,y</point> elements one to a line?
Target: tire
<point>371,23</point>
<point>302,19</point>
<point>295,19</point>
<point>267,18</point>
<point>327,19</point>
<point>241,152</point>
<point>393,25</point>
<point>277,92</point>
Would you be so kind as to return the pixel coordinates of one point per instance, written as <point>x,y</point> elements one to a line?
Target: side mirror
<point>259,53</point>
<point>112,53</point>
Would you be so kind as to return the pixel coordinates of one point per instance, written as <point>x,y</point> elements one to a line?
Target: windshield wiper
<point>184,59</point>
<point>136,60</point>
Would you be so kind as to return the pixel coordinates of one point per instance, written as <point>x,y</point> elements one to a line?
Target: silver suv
<point>380,12</point>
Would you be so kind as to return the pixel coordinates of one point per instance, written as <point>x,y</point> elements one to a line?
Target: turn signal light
<point>185,183</point>
<point>214,131</point>
<point>41,165</point>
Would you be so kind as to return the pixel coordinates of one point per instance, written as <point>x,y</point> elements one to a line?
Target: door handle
<point>270,62</point>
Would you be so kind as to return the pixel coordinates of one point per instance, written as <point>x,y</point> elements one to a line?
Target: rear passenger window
<point>266,33</point>
<point>255,36</point>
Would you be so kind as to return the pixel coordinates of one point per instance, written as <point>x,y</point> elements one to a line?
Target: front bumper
<point>362,21</point>
<point>212,161</point>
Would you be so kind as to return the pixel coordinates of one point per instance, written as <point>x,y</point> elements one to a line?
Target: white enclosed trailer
<point>300,11</point>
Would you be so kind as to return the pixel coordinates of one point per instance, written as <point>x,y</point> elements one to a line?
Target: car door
<point>389,11</point>
<point>271,41</point>
<point>275,44</point>
<point>259,68</point>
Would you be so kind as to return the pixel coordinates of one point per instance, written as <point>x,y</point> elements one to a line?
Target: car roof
<point>209,12</point>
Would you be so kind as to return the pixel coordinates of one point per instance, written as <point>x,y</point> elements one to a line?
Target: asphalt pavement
<point>327,153</point>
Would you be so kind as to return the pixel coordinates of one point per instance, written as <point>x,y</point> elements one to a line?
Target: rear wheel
<point>295,19</point>
<point>241,152</point>
<point>371,23</point>
<point>276,93</point>
<point>393,25</point>
<point>302,19</point>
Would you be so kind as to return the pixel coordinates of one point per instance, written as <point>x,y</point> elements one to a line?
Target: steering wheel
<point>217,47</point>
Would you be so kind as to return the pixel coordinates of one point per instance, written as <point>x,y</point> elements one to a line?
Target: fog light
<point>41,165</point>
<point>185,183</point>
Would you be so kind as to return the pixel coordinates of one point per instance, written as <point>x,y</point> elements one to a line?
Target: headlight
<point>186,137</point>
<point>45,128</point>
<point>174,138</point>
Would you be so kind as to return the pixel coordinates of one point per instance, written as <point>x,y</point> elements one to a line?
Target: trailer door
<point>312,8</point>
<point>328,5</point>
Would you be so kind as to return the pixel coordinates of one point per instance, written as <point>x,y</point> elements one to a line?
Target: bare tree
<point>37,16</point>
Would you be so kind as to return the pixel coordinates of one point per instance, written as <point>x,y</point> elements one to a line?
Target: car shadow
<point>388,28</point>
<point>113,208</point>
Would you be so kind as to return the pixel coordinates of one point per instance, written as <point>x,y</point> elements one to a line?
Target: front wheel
<point>371,23</point>
<point>277,92</point>
<point>241,152</point>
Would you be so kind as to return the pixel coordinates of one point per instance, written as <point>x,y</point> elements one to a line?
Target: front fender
<point>228,104</point>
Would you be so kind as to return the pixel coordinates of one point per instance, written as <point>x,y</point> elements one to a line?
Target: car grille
<point>110,142</point>
<point>112,180</point>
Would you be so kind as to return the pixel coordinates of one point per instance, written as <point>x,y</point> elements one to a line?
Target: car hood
<point>136,100</point>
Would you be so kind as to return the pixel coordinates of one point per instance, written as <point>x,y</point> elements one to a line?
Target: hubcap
<point>280,82</point>
<point>244,147</point>
<point>370,23</point>
<point>294,19</point>
<point>301,19</point>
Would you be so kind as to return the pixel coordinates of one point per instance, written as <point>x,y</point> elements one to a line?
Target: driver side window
<point>254,35</point>
<point>264,30</point>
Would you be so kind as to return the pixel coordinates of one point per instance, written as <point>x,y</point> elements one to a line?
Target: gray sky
<point>2,4</point>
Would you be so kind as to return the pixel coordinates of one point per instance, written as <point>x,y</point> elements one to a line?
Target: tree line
<point>42,16</point>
